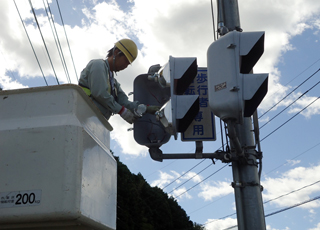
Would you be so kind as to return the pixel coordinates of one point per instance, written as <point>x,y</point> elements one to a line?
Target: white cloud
<point>165,178</point>
<point>293,162</point>
<point>177,28</point>
<point>8,83</point>
<point>181,193</point>
<point>270,228</point>
<point>215,224</point>
<point>305,101</point>
<point>316,228</point>
<point>124,137</point>
<point>178,192</point>
<point>292,180</point>
<point>214,189</point>
<point>193,176</point>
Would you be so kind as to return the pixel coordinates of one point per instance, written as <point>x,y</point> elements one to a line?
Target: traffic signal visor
<point>177,114</point>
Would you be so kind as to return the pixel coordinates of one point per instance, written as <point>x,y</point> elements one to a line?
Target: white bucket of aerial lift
<point>55,162</point>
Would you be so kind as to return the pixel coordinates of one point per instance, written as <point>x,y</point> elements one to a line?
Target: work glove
<point>127,115</point>
<point>152,109</point>
<point>140,110</point>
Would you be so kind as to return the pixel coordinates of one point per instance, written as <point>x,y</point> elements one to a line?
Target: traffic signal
<point>148,130</point>
<point>177,114</point>
<point>234,92</point>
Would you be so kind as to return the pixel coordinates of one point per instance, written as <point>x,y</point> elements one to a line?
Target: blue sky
<point>184,29</point>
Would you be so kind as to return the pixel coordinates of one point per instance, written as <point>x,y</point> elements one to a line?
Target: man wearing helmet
<point>97,80</point>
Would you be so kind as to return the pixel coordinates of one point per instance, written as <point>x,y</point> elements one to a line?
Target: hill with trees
<point>142,207</point>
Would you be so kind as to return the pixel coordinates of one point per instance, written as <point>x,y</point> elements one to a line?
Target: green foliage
<point>142,207</point>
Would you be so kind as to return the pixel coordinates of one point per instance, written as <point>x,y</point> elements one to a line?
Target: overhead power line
<point>294,157</point>
<point>261,127</point>
<point>303,71</point>
<point>203,180</point>
<point>67,39</point>
<point>291,192</point>
<point>273,200</point>
<point>209,203</point>
<point>30,43</point>
<point>35,17</point>
<point>213,23</point>
<point>284,109</point>
<point>261,140</point>
<point>282,210</point>
<point>191,177</point>
<point>293,89</point>
<point>294,100</point>
<point>56,39</point>
<point>290,118</point>
<point>183,174</point>
<point>268,173</point>
<point>293,206</point>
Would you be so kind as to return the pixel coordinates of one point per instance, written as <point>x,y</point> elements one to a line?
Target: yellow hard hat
<point>129,48</point>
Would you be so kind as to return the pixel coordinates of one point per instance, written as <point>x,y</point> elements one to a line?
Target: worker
<point>97,80</point>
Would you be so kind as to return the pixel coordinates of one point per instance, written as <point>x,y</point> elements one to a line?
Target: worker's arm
<point>98,83</point>
<point>124,100</point>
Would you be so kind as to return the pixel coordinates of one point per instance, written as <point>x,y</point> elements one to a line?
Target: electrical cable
<point>293,206</point>
<point>306,186</point>
<point>30,43</point>
<point>191,178</point>
<point>282,210</point>
<point>290,119</point>
<point>221,131</point>
<point>302,72</point>
<point>203,180</point>
<point>294,100</point>
<point>274,130</point>
<point>284,123</point>
<point>183,174</point>
<point>291,91</point>
<point>57,40</point>
<point>278,196</point>
<point>161,168</point>
<point>294,158</point>
<point>67,40</point>
<point>35,17</point>
<point>259,117</point>
<point>291,192</point>
<point>209,203</point>
<point>270,109</point>
<point>213,24</point>
<point>263,202</point>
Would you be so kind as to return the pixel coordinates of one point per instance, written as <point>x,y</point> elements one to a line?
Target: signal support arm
<point>157,155</point>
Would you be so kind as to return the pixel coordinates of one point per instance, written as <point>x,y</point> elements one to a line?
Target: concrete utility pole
<point>246,181</point>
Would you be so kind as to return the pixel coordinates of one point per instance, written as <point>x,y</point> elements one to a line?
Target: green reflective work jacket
<point>94,80</point>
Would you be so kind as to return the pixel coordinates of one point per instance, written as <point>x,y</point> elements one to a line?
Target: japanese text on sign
<point>203,126</point>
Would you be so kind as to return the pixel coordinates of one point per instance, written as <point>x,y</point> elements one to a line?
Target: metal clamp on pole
<point>199,149</point>
<point>234,138</point>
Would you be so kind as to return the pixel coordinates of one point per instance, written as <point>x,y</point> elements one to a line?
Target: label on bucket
<point>20,198</point>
